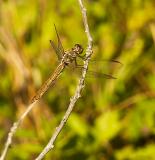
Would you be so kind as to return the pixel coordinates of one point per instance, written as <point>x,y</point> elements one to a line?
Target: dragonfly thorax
<point>69,57</point>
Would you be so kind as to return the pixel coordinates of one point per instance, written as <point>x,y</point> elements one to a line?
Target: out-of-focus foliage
<point>114,119</point>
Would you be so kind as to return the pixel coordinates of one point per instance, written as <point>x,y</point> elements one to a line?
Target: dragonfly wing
<point>96,74</point>
<point>101,60</point>
<point>60,47</point>
<point>100,75</point>
<point>59,55</point>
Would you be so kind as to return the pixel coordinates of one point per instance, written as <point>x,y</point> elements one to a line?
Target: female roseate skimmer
<point>65,58</point>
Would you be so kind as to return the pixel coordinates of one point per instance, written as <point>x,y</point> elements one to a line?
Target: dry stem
<point>13,130</point>
<point>73,100</point>
<point>79,88</point>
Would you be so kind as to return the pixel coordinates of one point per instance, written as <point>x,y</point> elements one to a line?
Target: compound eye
<point>79,48</point>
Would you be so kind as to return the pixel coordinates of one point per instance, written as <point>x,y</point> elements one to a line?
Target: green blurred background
<point>114,119</point>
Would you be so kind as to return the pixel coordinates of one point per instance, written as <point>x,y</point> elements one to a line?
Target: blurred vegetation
<point>114,119</point>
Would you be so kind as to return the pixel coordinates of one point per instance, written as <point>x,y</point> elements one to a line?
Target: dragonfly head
<point>77,49</point>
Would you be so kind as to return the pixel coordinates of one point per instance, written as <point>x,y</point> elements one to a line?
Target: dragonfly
<point>65,59</point>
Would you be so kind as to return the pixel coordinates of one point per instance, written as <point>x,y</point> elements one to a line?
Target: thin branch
<point>79,88</point>
<point>72,101</point>
<point>14,128</point>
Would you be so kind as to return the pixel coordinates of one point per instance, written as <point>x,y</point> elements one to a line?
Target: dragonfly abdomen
<point>49,82</point>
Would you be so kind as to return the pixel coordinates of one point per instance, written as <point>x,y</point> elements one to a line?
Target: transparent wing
<point>99,75</point>
<point>59,55</point>
<point>60,47</point>
<point>94,74</point>
<point>101,60</point>
<point>59,50</point>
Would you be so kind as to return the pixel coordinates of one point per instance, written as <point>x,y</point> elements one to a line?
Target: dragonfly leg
<point>82,57</point>
<point>77,65</point>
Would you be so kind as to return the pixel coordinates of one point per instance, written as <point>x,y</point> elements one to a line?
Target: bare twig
<point>79,88</point>
<point>14,128</point>
<point>13,59</point>
<point>72,100</point>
